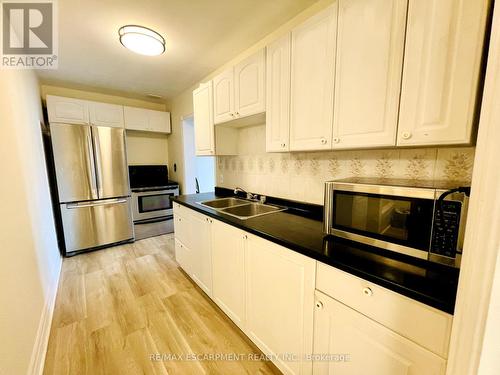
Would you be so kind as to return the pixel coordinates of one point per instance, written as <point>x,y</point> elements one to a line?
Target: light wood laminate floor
<point>117,307</point>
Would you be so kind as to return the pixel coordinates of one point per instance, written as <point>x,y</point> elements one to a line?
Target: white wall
<point>146,148</point>
<point>29,256</point>
<point>201,167</point>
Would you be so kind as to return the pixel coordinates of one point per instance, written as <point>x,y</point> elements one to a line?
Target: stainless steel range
<point>152,194</point>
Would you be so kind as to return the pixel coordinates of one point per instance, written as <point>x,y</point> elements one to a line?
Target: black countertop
<point>429,283</point>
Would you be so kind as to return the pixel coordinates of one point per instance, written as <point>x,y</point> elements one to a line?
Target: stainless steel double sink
<point>241,208</point>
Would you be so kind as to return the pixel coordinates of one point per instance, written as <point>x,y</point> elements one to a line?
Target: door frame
<point>474,312</point>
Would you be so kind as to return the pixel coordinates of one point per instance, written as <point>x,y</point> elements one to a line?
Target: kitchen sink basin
<point>241,208</point>
<point>224,203</point>
<point>248,211</point>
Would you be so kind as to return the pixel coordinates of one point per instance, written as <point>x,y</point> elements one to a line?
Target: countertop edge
<point>409,293</point>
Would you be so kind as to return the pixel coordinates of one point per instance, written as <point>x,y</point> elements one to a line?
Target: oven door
<point>153,204</point>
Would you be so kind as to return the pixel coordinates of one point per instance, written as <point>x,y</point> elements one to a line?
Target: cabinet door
<point>103,114</point>
<point>278,95</point>
<point>67,110</point>
<point>159,121</point>
<point>312,75</point>
<point>223,97</point>
<point>200,228</point>
<point>444,43</point>
<point>370,46</point>
<point>203,120</point>
<point>136,118</point>
<point>279,306</point>
<point>249,87</point>
<point>183,256</point>
<point>181,228</point>
<point>358,345</point>
<point>228,270</point>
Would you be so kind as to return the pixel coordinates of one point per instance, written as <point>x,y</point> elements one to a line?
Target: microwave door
<point>74,162</point>
<point>111,162</point>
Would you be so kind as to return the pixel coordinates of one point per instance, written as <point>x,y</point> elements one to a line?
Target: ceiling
<point>201,35</point>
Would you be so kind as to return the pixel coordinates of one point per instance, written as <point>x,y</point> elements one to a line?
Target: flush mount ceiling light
<point>142,40</point>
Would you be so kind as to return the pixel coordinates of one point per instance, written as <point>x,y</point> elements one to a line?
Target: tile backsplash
<point>300,176</point>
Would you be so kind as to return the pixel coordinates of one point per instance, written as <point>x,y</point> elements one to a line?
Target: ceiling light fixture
<point>142,40</point>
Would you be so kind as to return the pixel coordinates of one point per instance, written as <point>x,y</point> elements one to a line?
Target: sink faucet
<point>251,196</point>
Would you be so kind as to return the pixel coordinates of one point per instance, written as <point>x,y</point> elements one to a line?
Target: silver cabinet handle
<point>91,165</point>
<point>336,140</point>
<point>368,291</point>
<point>319,304</point>
<point>245,237</point>
<point>231,114</point>
<point>97,150</point>
<point>323,141</point>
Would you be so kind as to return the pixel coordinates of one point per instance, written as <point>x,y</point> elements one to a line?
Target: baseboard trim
<point>42,338</point>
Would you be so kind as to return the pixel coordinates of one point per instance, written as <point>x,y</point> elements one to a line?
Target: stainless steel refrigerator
<point>92,185</point>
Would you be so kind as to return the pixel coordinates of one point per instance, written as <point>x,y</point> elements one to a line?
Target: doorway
<point>199,171</point>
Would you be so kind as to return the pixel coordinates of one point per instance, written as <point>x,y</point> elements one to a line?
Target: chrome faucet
<point>253,197</point>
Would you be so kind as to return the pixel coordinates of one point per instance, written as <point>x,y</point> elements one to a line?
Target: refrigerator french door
<point>92,184</point>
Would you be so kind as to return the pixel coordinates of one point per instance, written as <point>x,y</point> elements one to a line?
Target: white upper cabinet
<point>249,90</point>
<point>67,110</point>
<point>370,47</point>
<point>371,348</point>
<point>278,62</point>
<point>136,118</point>
<point>223,102</point>
<point>312,75</point>
<point>77,111</point>
<point>159,121</point>
<point>444,44</point>
<point>104,114</point>
<point>147,120</point>
<point>203,120</point>
<point>240,91</point>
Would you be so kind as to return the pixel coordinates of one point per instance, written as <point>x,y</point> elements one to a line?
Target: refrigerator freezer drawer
<point>96,223</point>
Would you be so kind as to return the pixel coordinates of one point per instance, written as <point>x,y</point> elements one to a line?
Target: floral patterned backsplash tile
<point>301,176</point>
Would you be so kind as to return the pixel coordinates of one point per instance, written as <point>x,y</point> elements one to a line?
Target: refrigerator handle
<point>71,206</point>
<point>91,164</point>
<point>98,160</point>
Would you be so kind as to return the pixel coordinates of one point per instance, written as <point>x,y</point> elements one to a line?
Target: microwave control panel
<point>446,228</point>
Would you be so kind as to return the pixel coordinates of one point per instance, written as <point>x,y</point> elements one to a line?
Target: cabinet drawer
<point>420,323</point>
<point>180,209</point>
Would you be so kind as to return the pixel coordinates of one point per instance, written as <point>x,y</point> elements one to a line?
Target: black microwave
<point>422,219</point>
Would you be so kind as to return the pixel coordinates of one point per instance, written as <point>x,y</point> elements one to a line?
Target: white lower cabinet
<point>228,269</point>
<point>279,303</point>
<point>201,249</point>
<point>266,289</point>
<point>347,342</point>
<point>347,326</point>
<point>184,257</point>
<point>193,250</point>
